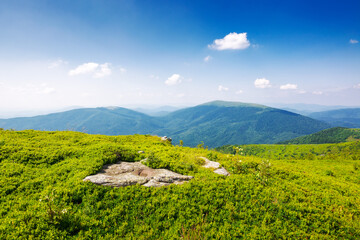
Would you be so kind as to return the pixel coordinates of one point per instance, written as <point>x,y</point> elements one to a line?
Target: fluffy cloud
<point>353,41</point>
<point>95,69</point>
<point>222,88</point>
<point>239,92</point>
<point>231,41</point>
<point>173,80</point>
<point>123,70</point>
<point>318,92</point>
<point>57,63</point>
<point>289,87</point>
<point>103,71</point>
<point>207,58</point>
<point>262,83</point>
<point>356,86</point>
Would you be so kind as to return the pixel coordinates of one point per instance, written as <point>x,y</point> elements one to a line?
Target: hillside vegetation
<point>43,195</point>
<point>331,135</point>
<point>347,117</point>
<point>216,123</point>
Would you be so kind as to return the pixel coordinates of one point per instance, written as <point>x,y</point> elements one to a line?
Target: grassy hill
<point>215,123</point>
<point>331,135</point>
<point>348,117</point>
<point>42,195</point>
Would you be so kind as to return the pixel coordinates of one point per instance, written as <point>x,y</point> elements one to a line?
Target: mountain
<point>219,123</point>
<point>332,135</point>
<point>348,117</point>
<point>109,121</point>
<point>216,123</point>
<point>157,112</point>
<point>303,108</point>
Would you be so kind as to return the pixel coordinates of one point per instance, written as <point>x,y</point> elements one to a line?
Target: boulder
<point>124,174</point>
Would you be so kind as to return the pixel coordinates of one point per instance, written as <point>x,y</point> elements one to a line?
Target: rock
<point>210,164</point>
<point>216,166</point>
<point>165,138</point>
<point>222,171</point>
<point>124,174</point>
<point>141,152</point>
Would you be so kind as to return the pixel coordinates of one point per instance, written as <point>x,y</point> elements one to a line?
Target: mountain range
<point>215,123</point>
<point>347,117</point>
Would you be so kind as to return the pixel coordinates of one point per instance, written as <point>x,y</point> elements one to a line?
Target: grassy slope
<point>291,199</point>
<point>332,135</point>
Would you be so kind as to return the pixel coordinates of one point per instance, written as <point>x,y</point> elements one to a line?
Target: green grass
<point>42,194</point>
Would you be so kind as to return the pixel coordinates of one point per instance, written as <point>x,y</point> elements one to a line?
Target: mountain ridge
<point>214,123</point>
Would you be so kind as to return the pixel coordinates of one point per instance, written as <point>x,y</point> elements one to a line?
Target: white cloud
<point>84,69</point>
<point>301,91</point>
<point>57,63</point>
<point>207,58</point>
<point>123,70</point>
<point>356,86</point>
<point>289,86</point>
<point>33,89</point>
<point>239,92</point>
<point>231,41</point>
<point>317,92</point>
<point>353,41</point>
<point>97,70</point>
<point>222,88</point>
<point>180,95</point>
<point>262,83</point>
<point>173,80</point>
<point>103,71</point>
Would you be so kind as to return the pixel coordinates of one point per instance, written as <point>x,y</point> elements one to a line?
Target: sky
<point>91,53</point>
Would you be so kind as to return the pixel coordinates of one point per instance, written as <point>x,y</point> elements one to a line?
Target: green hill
<point>332,135</point>
<point>348,117</point>
<point>220,123</point>
<point>43,195</point>
<point>109,121</point>
<point>215,123</point>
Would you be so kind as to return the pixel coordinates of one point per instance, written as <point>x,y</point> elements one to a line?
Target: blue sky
<point>121,53</point>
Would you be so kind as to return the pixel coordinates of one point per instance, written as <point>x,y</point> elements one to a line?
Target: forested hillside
<point>43,195</point>
<point>347,117</point>
<point>332,135</point>
<point>216,123</point>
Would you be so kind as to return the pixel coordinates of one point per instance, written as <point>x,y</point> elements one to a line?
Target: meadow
<point>273,192</point>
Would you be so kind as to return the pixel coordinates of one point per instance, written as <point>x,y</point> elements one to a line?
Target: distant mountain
<point>331,135</point>
<point>157,112</point>
<point>216,123</point>
<point>348,117</point>
<point>109,121</point>
<point>305,109</point>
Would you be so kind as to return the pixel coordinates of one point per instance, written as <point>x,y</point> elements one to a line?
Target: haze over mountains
<point>216,123</point>
<point>348,117</point>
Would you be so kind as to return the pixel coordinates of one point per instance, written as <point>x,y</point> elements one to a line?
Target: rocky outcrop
<point>124,174</point>
<point>216,166</point>
<point>165,138</point>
